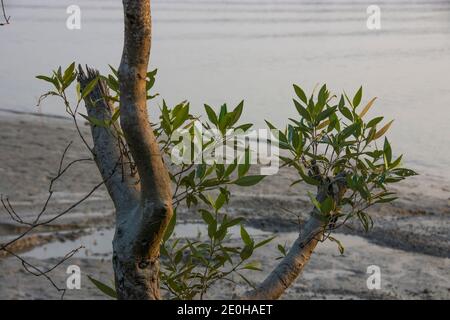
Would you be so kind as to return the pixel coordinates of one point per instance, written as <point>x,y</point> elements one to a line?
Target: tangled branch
<point>39,222</point>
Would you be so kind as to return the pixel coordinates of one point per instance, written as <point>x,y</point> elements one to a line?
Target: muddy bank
<point>329,275</point>
<point>411,233</point>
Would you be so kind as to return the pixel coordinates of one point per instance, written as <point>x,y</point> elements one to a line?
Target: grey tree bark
<point>141,228</point>
<point>143,201</point>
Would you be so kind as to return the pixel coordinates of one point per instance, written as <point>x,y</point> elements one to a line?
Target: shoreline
<point>416,227</point>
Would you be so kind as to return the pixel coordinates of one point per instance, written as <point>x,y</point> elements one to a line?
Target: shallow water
<point>98,244</point>
<point>217,51</point>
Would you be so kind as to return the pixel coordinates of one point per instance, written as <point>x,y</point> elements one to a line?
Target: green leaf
<point>113,70</point>
<point>78,91</point>
<point>211,115</point>
<point>302,110</point>
<point>387,151</point>
<point>207,217</point>
<point>68,72</point>
<point>45,78</point>
<point>220,201</point>
<point>252,266</point>
<point>223,113</point>
<point>246,280</point>
<point>152,74</point>
<point>325,114</point>
<point>403,172</point>
<point>396,162</point>
<point>112,82</point>
<point>181,117</point>
<point>326,206</point>
<point>341,102</point>
<point>244,167</point>
<point>248,180</point>
<point>315,202</point>
<point>323,96</point>
<point>229,170</point>
<point>246,252</point>
<point>58,74</point>
<point>201,169</point>
<point>385,200</point>
<point>357,98</point>
<point>264,242</point>
<point>244,127</point>
<point>348,131</point>
<point>104,288</point>
<point>212,229</point>
<point>365,220</point>
<point>95,121</point>
<point>115,115</point>
<point>233,222</point>
<point>237,112</point>
<point>271,126</point>
<point>300,93</point>
<point>339,244</point>
<point>52,80</point>
<point>170,227</point>
<point>246,237</point>
<point>346,112</point>
<point>308,179</point>
<point>374,122</point>
<point>282,249</point>
<point>210,183</point>
<point>89,87</point>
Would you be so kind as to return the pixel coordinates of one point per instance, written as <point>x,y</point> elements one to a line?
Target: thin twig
<point>32,269</point>
<point>4,15</point>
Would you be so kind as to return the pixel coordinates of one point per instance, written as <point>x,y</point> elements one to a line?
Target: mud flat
<point>329,275</point>
<point>410,242</point>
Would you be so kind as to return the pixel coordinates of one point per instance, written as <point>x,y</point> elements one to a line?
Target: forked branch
<point>109,147</point>
<point>291,266</point>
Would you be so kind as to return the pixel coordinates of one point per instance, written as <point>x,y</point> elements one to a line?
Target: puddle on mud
<point>98,244</point>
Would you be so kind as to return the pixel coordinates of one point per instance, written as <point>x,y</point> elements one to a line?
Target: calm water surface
<point>215,51</point>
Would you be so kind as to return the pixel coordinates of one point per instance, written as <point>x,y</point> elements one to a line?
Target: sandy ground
<point>410,241</point>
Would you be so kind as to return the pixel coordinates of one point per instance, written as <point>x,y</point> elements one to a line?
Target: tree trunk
<point>140,228</point>
<point>143,202</point>
<point>282,277</point>
<point>292,265</point>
